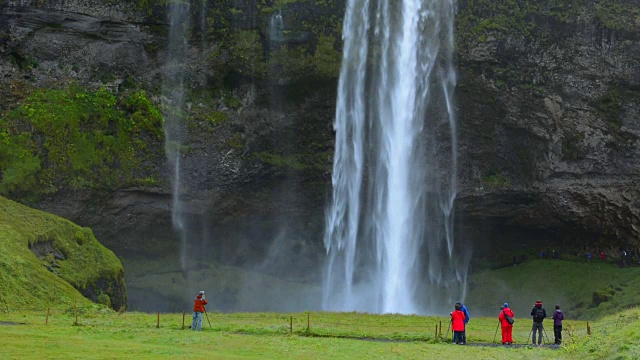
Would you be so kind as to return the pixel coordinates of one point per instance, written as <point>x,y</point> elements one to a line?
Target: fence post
<point>308,323</point>
<point>440,330</point>
<point>46,320</point>
<point>436,330</point>
<point>76,310</point>
<point>291,325</point>
<point>183,314</point>
<point>158,325</point>
<point>588,329</point>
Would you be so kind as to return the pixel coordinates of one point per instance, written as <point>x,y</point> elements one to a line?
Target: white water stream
<point>173,93</point>
<point>389,227</point>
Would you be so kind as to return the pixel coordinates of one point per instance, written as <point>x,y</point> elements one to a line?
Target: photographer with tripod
<point>506,322</point>
<point>198,309</point>
<point>538,313</point>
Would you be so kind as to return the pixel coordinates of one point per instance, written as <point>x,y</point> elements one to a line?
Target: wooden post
<point>76,310</point>
<point>440,330</point>
<point>436,330</point>
<point>291,325</point>
<point>308,323</point>
<point>588,329</point>
<point>46,320</point>
<point>158,326</point>
<point>183,314</point>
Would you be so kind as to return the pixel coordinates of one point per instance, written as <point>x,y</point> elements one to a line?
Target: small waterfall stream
<point>173,94</point>
<point>389,227</point>
<point>276,29</point>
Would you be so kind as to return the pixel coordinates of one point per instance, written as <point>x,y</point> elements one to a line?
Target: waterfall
<point>389,227</point>
<point>173,93</point>
<point>276,29</point>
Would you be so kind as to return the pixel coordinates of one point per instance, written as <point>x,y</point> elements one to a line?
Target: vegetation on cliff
<point>479,18</point>
<point>75,138</point>
<point>46,260</point>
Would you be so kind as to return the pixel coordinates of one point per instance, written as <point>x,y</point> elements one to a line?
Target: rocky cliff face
<point>548,103</point>
<point>549,99</point>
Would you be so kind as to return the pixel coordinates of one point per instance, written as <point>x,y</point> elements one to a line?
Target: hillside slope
<point>46,260</point>
<point>583,290</point>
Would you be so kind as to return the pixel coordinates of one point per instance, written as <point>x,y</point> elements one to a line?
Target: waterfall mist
<point>389,228</point>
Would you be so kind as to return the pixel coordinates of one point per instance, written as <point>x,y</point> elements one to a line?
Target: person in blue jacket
<point>466,320</point>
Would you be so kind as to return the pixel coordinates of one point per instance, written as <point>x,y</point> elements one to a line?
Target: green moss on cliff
<point>610,107</point>
<point>317,161</point>
<point>74,138</point>
<point>308,51</point>
<point>494,179</point>
<point>320,60</point>
<point>618,15</point>
<point>479,18</point>
<point>46,260</point>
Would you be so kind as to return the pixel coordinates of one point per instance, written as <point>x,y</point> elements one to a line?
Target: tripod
<point>496,333</point>
<point>545,335</point>
<point>205,314</point>
<point>540,333</point>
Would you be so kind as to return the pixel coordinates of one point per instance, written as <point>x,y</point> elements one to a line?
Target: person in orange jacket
<point>507,329</point>
<point>198,309</point>
<point>457,324</point>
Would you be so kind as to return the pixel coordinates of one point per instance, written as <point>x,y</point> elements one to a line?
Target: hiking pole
<point>205,313</point>
<point>496,333</point>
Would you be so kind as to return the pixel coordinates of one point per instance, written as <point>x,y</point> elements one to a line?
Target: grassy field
<point>104,334</point>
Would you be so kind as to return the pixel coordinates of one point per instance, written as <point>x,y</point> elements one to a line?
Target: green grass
<point>571,284</point>
<point>25,281</point>
<point>100,334</point>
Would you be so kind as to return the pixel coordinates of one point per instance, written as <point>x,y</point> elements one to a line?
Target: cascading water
<point>172,103</point>
<point>276,29</point>
<point>389,229</point>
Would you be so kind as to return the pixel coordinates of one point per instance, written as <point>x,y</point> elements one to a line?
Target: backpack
<point>508,318</point>
<point>539,315</point>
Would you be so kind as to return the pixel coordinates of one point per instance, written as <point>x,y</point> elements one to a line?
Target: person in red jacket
<point>198,309</point>
<point>457,324</point>
<point>507,329</point>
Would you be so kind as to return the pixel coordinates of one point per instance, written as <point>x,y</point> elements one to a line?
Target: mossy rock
<point>603,295</point>
<point>48,261</point>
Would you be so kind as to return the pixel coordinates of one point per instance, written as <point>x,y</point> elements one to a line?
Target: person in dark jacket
<point>198,309</point>
<point>538,313</point>
<point>465,311</point>
<point>457,324</point>
<point>558,316</point>
<point>507,329</point>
